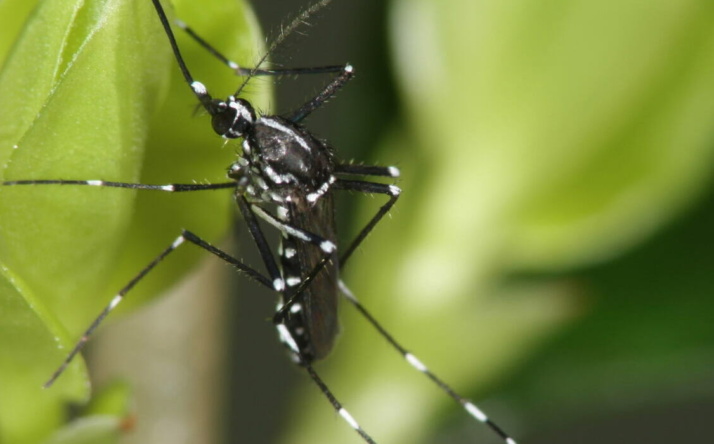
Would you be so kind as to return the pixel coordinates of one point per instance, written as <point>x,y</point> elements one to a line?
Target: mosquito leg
<point>367,170</point>
<point>185,236</point>
<point>336,404</point>
<point>171,188</point>
<point>243,71</point>
<point>329,91</point>
<point>467,405</point>
<point>367,187</point>
<point>263,248</point>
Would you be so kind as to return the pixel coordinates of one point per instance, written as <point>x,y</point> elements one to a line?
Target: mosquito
<point>285,177</point>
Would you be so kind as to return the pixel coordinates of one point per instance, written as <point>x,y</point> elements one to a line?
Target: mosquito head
<point>232,117</point>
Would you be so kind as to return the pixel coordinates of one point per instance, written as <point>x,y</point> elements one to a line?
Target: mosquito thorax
<point>232,117</point>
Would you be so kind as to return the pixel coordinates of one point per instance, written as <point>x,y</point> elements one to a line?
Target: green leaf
<point>31,337</point>
<point>114,399</point>
<point>97,429</point>
<point>90,90</point>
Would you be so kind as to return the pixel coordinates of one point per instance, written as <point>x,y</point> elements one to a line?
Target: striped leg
<point>249,212</point>
<point>336,404</point>
<point>185,236</point>
<point>346,74</point>
<point>170,188</point>
<point>242,71</point>
<point>368,187</point>
<point>467,405</point>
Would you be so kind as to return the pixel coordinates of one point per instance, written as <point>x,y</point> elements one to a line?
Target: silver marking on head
<point>296,308</point>
<point>394,190</point>
<point>233,65</point>
<point>235,105</point>
<point>349,68</point>
<point>393,171</point>
<point>95,183</point>
<point>245,113</point>
<point>168,188</point>
<point>289,252</point>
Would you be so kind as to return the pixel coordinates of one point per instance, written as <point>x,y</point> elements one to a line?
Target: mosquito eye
<point>223,122</point>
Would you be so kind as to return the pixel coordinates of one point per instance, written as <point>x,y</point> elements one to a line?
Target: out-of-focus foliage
<point>544,143</point>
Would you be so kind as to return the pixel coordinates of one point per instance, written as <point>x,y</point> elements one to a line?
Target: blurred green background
<point>549,256</point>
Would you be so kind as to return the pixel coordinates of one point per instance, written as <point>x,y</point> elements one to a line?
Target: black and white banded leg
<point>121,294</point>
<point>337,406</point>
<point>368,188</point>
<point>187,236</point>
<point>393,192</point>
<point>250,72</point>
<point>171,188</point>
<point>415,362</point>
